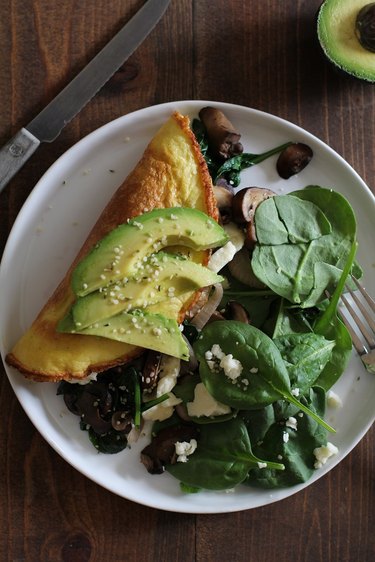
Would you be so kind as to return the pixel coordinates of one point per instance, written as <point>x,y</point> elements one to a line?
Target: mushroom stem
<point>223,138</point>
<point>223,199</point>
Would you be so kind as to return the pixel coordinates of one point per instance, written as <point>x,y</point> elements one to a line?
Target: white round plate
<point>53,224</point>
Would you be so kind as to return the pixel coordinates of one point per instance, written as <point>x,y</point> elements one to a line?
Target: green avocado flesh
<point>140,328</point>
<point>161,277</point>
<point>339,40</point>
<point>121,252</point>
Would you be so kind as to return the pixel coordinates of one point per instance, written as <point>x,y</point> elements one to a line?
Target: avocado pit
<point>365,27</point>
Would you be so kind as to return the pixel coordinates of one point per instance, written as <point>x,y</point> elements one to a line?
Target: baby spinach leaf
<point>222,459</point>
<point>285,219</point>
<point>305,356</point>
<point>257,302</point>
<point>185,386</point>
<point>258,422</point>
<point>264,378</point>
<point>330,326</point>
<point>290,320</point>
<point>301,272</point>
<point>186,489</point>
<point>295,451</point>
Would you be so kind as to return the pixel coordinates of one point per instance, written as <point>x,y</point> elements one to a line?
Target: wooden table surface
<point>258,54</point>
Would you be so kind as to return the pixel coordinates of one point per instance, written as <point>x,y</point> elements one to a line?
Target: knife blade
<point>47,125</point>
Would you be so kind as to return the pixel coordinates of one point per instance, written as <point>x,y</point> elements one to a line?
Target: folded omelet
<point>171,173</point>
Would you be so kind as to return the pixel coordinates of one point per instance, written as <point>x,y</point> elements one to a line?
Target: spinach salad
<point>248,408</point>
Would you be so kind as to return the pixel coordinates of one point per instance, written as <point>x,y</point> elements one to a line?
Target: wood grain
<point>258,54</point>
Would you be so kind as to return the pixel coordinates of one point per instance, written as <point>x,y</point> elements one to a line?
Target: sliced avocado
<point>121,253</point>
<point>161,277</point>
<point>346,33</point>
<point>140,328</point>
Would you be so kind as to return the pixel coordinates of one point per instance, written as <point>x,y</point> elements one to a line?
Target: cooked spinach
<point>222,459</point>
<point>230,169</point>
<point>110,443</point>
<point>117,391</point>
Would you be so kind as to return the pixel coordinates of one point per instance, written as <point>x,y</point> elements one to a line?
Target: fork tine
<point>369,299</point>
<point>355,339</point>
<point>353,322</point>
<point>366,315</point>
<point>366,334</point>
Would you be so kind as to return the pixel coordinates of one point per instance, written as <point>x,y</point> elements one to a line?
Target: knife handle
<point>15,154</point>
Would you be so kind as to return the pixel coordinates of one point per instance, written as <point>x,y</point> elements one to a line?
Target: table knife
<point>47,125</point>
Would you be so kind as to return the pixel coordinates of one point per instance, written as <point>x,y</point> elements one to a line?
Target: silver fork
<point>362,312</point>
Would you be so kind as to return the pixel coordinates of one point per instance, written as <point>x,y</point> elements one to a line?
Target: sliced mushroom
<point>181,411</point>
<point>240,268</point>
<point>215,317</point>
<point>224,199</point>
<point>246,201</point>
<point>222,182</point>
<point>89,407</point>
<point>244,205</point>
<point>235,311</point>
<point>122,421</point>
<point>293,159</point>
<point>224,140</point>
<point>70,399</point>
<point>151,371</point>
<point>161,450</point>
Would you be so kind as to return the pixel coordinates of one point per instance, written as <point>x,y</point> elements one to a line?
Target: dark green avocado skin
<point>348,58</point>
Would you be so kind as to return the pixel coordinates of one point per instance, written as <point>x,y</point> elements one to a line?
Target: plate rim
<point>38,191</point>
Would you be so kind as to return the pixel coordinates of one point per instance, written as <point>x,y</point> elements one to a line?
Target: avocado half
<point>344,27</point>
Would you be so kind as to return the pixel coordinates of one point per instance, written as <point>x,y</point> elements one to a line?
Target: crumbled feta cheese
<point>184,449</point>
<point>217,351</point>
<point>262,465</point>
<point>86,380</point>
<point>162,411</point>
<point>232,367</point>
<point>323,453</point>
<point>295,391</point>
<point>285,436</point>
<point>169,371</point>
<point>333,400</point>
<point>291,422</point>
<point>204,404</point>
